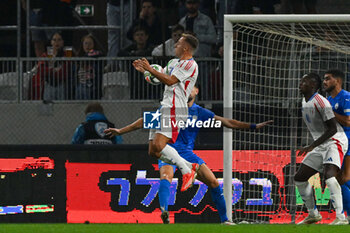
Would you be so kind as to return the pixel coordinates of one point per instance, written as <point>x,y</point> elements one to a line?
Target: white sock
<point>307,195</point>
<point>188,164</point>
<point>170,155</point>
<point>336,197</point>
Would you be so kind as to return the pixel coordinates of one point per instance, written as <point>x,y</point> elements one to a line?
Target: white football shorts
<point>172,120</point>
<point>331,153</point>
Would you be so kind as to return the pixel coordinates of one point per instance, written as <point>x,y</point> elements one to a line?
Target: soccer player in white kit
<point>325,154</point>
<point>178,87</point>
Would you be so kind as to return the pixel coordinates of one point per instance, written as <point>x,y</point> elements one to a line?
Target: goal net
<point>265,58</point>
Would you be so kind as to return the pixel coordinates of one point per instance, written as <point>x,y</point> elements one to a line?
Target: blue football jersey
<point>187,136</point>
<point>341,105</point>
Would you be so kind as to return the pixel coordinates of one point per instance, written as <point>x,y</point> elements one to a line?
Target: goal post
<point>264,58</point>
<point>227,137</point>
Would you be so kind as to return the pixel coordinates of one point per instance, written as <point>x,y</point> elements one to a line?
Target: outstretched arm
<point>129,128</point>
<point>235,124</point>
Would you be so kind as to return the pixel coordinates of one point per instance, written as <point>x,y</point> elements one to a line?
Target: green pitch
<point>173,228</point>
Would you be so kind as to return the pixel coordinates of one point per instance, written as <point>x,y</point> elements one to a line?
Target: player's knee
<point>157,147</point>
<point>154,154</point>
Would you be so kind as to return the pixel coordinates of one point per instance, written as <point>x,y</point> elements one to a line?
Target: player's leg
<point>345,175</point>
<point>166,175</point>
<point>159,148</point>
<point>330,172</point>
<point>207,177</point>
<point>331,166</point>
<point>306,192</point>
<point>168,134</point>
<point>344,181</point>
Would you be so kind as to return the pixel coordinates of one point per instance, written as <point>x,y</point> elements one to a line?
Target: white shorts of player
<point>331,152</point>
<point>170,117</point>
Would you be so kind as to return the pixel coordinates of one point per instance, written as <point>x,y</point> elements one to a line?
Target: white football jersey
<point>176,96</point>
<point>315,112</point>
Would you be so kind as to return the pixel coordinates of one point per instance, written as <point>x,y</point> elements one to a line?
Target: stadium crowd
<point>146,28</point>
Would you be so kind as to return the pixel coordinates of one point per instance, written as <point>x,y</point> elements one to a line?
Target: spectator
<point>207,7</point>
<point>51,74</point>
<point>56,73</point>
<point>89,73</point>
<point>201,25</point>
<point>91,131</point>
<point>176,33</point>
<point>140,46</point>
<point>150,20</point>
<point>113,14</point>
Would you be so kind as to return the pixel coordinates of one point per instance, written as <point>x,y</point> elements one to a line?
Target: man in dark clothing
<point>153,24</point>
<point>140,46</point>
<point>91,131</point>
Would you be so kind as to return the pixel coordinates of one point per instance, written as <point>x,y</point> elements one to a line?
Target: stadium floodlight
<point>264,58</point>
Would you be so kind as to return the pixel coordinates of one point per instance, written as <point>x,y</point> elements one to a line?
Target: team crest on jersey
<point>100,127</point>
<point>336,105</point>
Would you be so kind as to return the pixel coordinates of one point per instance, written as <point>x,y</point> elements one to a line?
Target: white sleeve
<point>185,69</point>
<point>325,109</point>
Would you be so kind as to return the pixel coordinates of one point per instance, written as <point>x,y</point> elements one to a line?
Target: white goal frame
<point>229,20</point>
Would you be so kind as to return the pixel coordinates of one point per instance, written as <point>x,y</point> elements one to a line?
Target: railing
<point>102,78</point>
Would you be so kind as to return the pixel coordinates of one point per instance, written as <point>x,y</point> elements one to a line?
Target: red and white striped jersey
<point>176,96</point>
<point>315,112</point>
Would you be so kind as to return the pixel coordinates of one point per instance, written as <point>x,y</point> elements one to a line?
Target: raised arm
<point>129,128</point>
<point>235,124</point>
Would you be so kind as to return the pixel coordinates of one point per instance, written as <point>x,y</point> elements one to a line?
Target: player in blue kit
<point>184,145</point>
<point>340,102</point>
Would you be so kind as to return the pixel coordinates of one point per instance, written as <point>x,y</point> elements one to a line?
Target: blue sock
<point>219,200</point>
<point>163,194</point>
<point>345,189</point>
